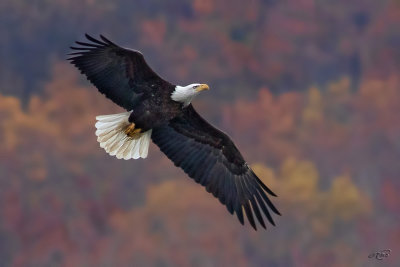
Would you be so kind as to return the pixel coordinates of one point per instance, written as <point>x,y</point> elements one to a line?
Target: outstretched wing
<point>121,74</point>
<point>209,157</point>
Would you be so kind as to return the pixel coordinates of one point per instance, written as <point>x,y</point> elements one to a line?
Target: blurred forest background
<point>308,89</point>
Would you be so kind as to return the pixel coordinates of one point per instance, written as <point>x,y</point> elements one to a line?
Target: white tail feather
<point>111,136</point>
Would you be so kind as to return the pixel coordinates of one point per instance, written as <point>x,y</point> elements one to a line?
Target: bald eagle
<point>162,112</point>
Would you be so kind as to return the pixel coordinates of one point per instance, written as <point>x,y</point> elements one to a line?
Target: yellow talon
<point>131,131</point>
<point>129,128</point>
<point>138,130</point>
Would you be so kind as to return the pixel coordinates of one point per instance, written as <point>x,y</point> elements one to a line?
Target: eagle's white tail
<point>113,138</point>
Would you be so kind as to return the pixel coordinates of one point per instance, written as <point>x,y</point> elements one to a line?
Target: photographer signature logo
<point>380,255</point>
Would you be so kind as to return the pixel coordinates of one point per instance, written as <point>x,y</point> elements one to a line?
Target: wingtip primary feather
<point>94,40</point>
<point>80,48</point>
<point>269,191</point>
<point>74,53</point>
<point>87,44</point>
<point>106,40</point>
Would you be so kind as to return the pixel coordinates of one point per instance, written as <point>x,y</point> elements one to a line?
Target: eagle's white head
<point>185,94</point>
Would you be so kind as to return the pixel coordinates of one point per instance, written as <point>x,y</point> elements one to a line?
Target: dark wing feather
<point>121,74</point>
<point>209,157</point>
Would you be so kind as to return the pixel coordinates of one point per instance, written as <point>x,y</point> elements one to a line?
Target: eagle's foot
<point>131,131</point>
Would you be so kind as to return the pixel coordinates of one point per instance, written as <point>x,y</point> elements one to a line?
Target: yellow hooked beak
<point>202,87</point>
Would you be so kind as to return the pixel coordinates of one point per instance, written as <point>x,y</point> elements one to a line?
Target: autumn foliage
<point>308,90</point>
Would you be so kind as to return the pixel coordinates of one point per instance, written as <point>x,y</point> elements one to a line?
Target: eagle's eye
<point>194,87</point>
